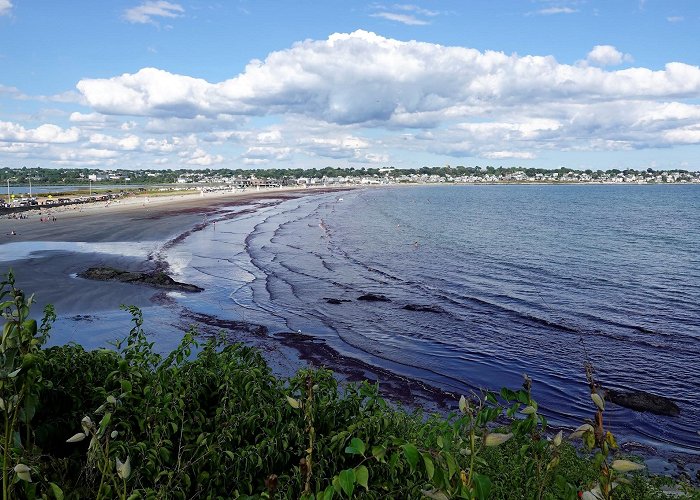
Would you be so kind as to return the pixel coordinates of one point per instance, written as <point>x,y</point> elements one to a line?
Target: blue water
<point>531,279</point>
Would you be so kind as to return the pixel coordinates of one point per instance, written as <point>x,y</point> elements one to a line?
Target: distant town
<point>330,176</point>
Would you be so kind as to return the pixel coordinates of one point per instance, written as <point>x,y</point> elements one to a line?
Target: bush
<point>211,421</point>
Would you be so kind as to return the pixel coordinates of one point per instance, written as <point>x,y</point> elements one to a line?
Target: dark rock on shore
<point>643,401</point>
<point>156,279</point>
<point>424,308</point>
<point>373,297</point>
<point>336,301</point>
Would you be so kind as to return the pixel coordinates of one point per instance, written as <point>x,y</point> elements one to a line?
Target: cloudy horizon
<point>398,91</point>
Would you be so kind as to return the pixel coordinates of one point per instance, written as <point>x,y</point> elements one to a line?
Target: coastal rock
<point>643,401</point>
<point>424,308</point>
<point>373,297</point>
<point>156,279</point>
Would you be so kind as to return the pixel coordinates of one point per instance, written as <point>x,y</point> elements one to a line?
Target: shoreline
<point>165,220</point>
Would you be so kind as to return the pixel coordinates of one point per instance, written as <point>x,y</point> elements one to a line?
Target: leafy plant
<point>20,382</point>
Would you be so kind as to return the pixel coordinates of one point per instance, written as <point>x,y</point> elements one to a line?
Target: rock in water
<point>155,279</point>
<point>335,301</point>
<point>373,297</point>
<point>424,308</point>
<point>643,401</point>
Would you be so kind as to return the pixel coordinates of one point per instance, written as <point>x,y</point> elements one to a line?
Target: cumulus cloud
<point>46,133</point>
<point>5,7</point>
<point>325,95</point>
<point>146,12</point>
<point>607,55</point>
<point>126,143</point>
<point>361,78</point>
<point>203,159</point>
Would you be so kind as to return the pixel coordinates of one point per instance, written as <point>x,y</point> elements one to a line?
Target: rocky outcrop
<point>373,297</point>
<point>155,279</point>
<point>643,401</point>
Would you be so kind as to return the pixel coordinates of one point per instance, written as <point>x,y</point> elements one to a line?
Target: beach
<point>468,305</point>
<point>48,270</point>
<point>46,254</point>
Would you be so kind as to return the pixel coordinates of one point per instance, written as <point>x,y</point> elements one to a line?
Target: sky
<point>158,84</point>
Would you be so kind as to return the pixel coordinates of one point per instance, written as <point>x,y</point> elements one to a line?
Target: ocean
<point>482,284</point>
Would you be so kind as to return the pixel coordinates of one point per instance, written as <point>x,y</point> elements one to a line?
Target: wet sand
<point>88,236</point>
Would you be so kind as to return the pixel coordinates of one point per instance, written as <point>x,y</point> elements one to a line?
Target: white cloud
<point>607,55</point>
<point>406,19</point>
<point>375,158</point>
<point>4,89</point>
<point>268,153</point>
<point>5,7</point>
<point>96,118</point>
<point>549,11</point>
<point>203,159</point>
<point>269,137</point>
<point>363,78</point>
<point>126,143</point>
<point>675,19</point>
<point>46,133</point>
<point>321,97</point>
<point>146,12</point>
<point>501,155</point>
<point>408,14</point>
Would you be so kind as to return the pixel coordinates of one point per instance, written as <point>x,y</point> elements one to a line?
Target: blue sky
<point>245,84</point>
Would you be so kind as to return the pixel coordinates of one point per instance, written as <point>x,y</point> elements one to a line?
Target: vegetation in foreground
<point>129,423</point>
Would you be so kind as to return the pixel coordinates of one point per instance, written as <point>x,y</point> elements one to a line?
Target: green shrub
<point>211,421</point>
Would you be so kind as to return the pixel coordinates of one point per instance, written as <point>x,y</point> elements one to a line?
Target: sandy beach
<point>51,245</point>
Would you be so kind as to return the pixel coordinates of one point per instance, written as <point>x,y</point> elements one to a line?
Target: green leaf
<point>126,386</point>
<point>508,395</point>
<point>379,452</point>
<point>482,485</point>
<point>412,455</point>
<point>451,464</point>
<point>347,481</point>
<point>522,397</point>
<point>362,476</point>
<point>105,422</point>
<point>357,447</point>
<point>429,466</point>
<point>328,493</point>
<point>336,485</point>
<point>57,492</point>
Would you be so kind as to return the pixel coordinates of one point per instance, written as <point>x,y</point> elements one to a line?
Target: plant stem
<point>5,457</point>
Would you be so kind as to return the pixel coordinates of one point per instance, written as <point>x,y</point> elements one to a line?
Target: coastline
<point>162,220</point>
<point>49,271</point>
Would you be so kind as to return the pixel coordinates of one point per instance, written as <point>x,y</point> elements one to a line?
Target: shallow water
<point>529,279</point>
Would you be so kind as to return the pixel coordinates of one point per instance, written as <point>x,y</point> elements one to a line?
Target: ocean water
<point>521,279</point>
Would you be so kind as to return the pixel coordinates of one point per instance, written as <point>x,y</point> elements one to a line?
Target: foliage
<point>211,421</point>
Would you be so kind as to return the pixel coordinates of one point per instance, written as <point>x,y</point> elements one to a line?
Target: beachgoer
<point>13,233</point>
